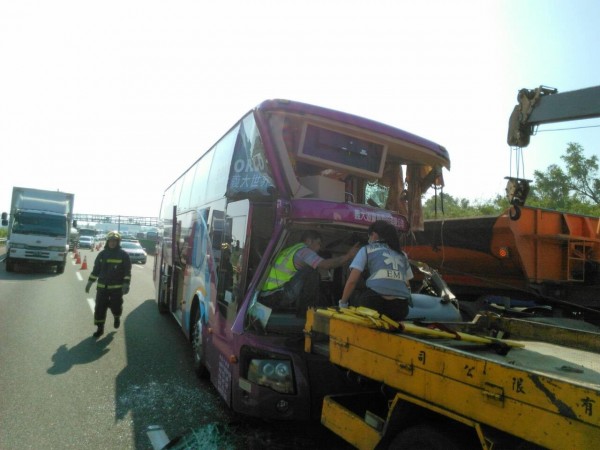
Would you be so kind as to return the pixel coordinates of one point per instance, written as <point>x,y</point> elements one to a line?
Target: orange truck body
<point>548,254</point>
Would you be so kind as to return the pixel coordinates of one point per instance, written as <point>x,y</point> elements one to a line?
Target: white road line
<point>78,275</point>
<point>92,303</point>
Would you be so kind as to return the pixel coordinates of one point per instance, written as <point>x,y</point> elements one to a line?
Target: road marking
<point>92,303</point>
<point>78,275</point>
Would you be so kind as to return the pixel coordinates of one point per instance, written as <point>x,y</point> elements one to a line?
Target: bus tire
<point>423,437</point>
<point>197,347</point>
<point>161,301</point>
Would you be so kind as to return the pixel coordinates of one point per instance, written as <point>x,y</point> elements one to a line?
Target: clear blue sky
<point>113,100</point>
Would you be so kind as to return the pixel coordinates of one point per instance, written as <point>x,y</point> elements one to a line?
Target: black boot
<point>99,332</point>
<point>117,322</point>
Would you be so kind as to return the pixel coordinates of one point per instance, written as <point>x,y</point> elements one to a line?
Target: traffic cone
<point>84,265</point>
<point>78,260</point>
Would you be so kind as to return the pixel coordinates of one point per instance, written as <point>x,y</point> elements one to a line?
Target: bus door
<point>182,249</point>
<point>229,233</point>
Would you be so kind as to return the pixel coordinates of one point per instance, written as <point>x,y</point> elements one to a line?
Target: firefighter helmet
<point>113,235</point>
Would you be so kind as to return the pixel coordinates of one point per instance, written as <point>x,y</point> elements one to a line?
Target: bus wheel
<point>163,307</point>
<point>197,347</point>
<point>423,437</point>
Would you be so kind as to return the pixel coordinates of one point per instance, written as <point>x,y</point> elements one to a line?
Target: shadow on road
<point>158,386</point>
<point>85,352</point>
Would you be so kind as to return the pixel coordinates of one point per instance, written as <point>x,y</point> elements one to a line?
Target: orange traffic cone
<point>78,260</point>
<point>84,265</point>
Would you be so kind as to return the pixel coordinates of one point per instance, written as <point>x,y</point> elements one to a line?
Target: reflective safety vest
<point>283,269</point>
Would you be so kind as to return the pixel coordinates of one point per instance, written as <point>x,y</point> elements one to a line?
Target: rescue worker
<point>293,281</point>
<point>388,270</point>
<point>112,269</point>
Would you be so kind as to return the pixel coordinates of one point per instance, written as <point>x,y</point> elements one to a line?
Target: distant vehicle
<point>86,242</point>
<point>39,227</point>
<point>136,252</point>
<point>88,232</point>
<point>73,238</point>
<point>152,235</point>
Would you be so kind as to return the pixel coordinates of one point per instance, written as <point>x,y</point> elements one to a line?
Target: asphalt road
<point>60,388</point>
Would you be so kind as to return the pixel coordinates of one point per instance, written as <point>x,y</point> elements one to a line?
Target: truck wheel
<point>423,437</point>
<point>10,266</point>
<point>60,268</point>
<point>197,347</point>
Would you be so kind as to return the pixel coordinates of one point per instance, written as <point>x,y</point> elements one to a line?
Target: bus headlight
<point>272,373</point>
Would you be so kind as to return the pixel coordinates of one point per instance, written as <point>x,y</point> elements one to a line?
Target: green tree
<point>575,189</point>
<point>447,206</point>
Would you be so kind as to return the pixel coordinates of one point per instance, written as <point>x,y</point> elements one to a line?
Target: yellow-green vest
<point>283,269</point>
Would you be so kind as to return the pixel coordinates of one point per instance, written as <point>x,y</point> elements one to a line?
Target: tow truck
<point>513,377</point>
<point>459,385</point>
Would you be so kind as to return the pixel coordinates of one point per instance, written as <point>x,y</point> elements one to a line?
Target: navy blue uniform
<point>112,270</point>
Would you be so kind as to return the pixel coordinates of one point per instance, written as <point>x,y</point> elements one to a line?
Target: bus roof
<point>356,121</point>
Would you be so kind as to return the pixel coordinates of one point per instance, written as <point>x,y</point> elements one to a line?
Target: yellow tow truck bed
<point>538,391</point>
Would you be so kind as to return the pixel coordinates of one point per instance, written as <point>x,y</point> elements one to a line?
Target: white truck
<point>39,226</point>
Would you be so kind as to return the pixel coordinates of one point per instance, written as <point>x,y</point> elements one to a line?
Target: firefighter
<point>112,270</point>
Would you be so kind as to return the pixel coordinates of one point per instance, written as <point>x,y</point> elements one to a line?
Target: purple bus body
<point>231,343</point>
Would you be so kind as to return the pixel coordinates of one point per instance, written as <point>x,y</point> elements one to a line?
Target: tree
<point>575,189</point>
<point>447,206</point>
